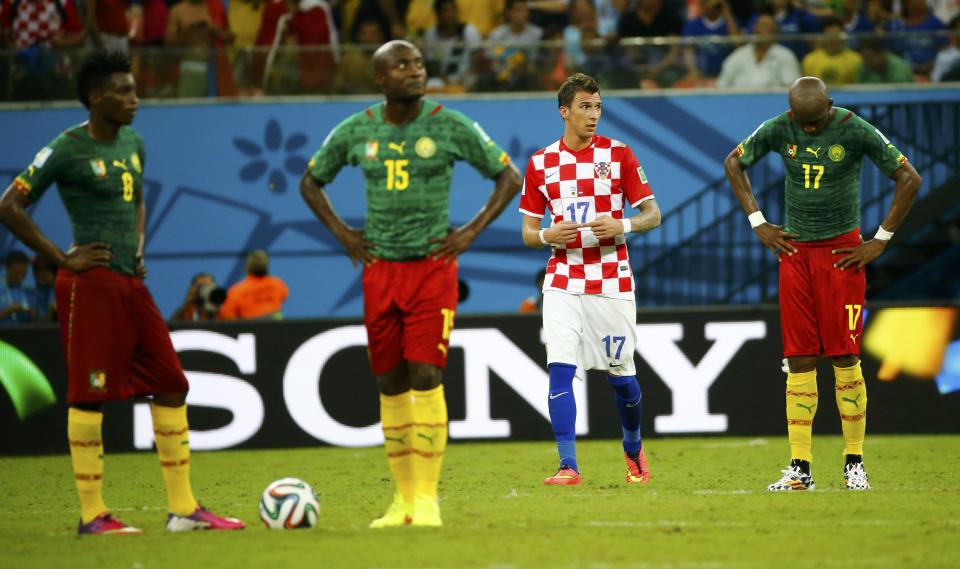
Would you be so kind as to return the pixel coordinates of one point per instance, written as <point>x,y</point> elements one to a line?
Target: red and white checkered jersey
<point>582,186</point>
<point>38,21</point>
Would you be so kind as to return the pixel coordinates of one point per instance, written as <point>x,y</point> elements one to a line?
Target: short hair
<point>16,256</point>
<point>258,262</point>
<point>574,84</point>
<point>96,69</point>
<point>198,276</point>
<point>831,22</point>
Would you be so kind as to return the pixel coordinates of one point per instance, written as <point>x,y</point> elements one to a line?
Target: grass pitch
<point>705,509</point>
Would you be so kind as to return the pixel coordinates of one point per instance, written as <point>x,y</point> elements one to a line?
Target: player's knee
<point>846,361</point>
<point>170,399</point>
<point>424,377</point>
<point>802,364</point>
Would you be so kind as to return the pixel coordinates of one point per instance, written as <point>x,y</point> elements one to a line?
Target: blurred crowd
<point>231,47</point>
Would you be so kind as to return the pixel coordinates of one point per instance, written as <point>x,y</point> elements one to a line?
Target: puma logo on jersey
<point>427,438</point>
<point>122,164</point>
<point>397,147</point>
<point>816,153</point>
<point>853,338</point>
<point>393,439</point>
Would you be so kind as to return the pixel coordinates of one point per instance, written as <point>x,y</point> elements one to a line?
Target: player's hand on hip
<point>562,233</point>
<point>84,257</point>
<point>605,227</point>
<point>775,238</point>
<point>456,242</point>
<point>358,248</point>
<point>141,267</point>
<point>860,255</point>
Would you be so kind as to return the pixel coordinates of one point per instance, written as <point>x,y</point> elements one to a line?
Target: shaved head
<point>808,97</point>
<point>385,54</point>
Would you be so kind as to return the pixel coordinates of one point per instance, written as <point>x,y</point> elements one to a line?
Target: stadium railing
<point>39,74</point>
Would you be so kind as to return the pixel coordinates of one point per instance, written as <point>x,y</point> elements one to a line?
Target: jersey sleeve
<point>142,153</point>
<point>327,162</point>
<point>472,144</point>
<point>634,179</point>
<point>879,148</point>
<point>532,200</point>
<point>758,144</point>
<point>42,173</point>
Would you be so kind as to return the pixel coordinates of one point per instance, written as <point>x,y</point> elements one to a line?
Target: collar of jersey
<point>563,145</point>
<point>428,107</point>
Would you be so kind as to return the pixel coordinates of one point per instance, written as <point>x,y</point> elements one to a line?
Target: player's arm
<point>508,183</point>
<point>772,236</point>
<point>649,218</point>
<point>13,214</point>
<point>908,182</point>
<point>536,237</point>
<point>357,248</point>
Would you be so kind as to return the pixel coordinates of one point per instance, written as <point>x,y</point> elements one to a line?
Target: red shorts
<point>408,309</point>
<point>116,342</point>
<point>821,307</point>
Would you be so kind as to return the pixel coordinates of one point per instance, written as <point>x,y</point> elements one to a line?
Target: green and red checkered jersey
<point>823,170</point>
<point>98,182</point>
<point>407,171</point>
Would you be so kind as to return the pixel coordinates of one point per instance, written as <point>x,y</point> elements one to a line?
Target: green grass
<point>705,509</point>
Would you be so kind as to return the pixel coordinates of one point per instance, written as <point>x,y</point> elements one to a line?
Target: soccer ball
<point>289,503</point>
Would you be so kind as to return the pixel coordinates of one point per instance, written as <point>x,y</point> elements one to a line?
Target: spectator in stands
<point>762,63</point>
<point>312,26</point>
<point>450,47</point>
<point>244,21</point>
<point>44,297</point>
<point>155,16</point>
<point>355,74</point>
<point>257,296</point>
<point>854,20</point>
<point>15,296</point>
<point>107,24</point>
<point>947,65</point>
<point>945,10</point>
<point>833,62</point>
<point>716,19</point>
<point>513,49</point>
<point>823,9</point>
<point>881,66</point>
<point>660,66</point>
<point>40,24</point>
<point>196,26</point>
<point>791,18</point>
<point>484,15</point>
<point>921,49</point>
<point>203,301</point>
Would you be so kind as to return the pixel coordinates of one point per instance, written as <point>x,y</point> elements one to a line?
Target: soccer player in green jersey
<point>822,256</point>
<point>116,342</point>
<point>406,147</point>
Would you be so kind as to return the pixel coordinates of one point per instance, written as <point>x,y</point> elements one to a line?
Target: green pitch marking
<point>26,385</point>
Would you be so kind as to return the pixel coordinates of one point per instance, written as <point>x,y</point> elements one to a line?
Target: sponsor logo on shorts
<point>98,381</point>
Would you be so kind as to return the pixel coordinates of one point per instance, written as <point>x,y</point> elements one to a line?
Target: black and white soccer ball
<point>289,503</point>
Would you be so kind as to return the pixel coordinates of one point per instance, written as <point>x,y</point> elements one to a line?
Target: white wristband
<point>756,219</point>
<point>542,239</point>
<point>627,225</point>
<point>883,234</point>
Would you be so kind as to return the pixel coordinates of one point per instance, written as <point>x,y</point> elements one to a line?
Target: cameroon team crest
<point>836,153</point>
<point>425,147</point>
<point>372,148</point>
<point>791,151</point>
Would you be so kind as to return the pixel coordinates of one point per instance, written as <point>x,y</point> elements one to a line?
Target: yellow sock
<point>852,403</point>
<point>429,438</point>
<point>396,417</point>
<point>86,453</point>
<point>173,446</point>
<point>801,409</point>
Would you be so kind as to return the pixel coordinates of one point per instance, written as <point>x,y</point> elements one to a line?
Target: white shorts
<point>590,331</point>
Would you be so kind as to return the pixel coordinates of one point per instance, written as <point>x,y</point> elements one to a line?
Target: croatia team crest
<point>98,380</point>
<point>99,168</point>
<point>602,169</point>
<point>791,151</point>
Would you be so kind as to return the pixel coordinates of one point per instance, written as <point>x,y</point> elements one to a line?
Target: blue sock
<point>630,408</point>
<point>563,412</point>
